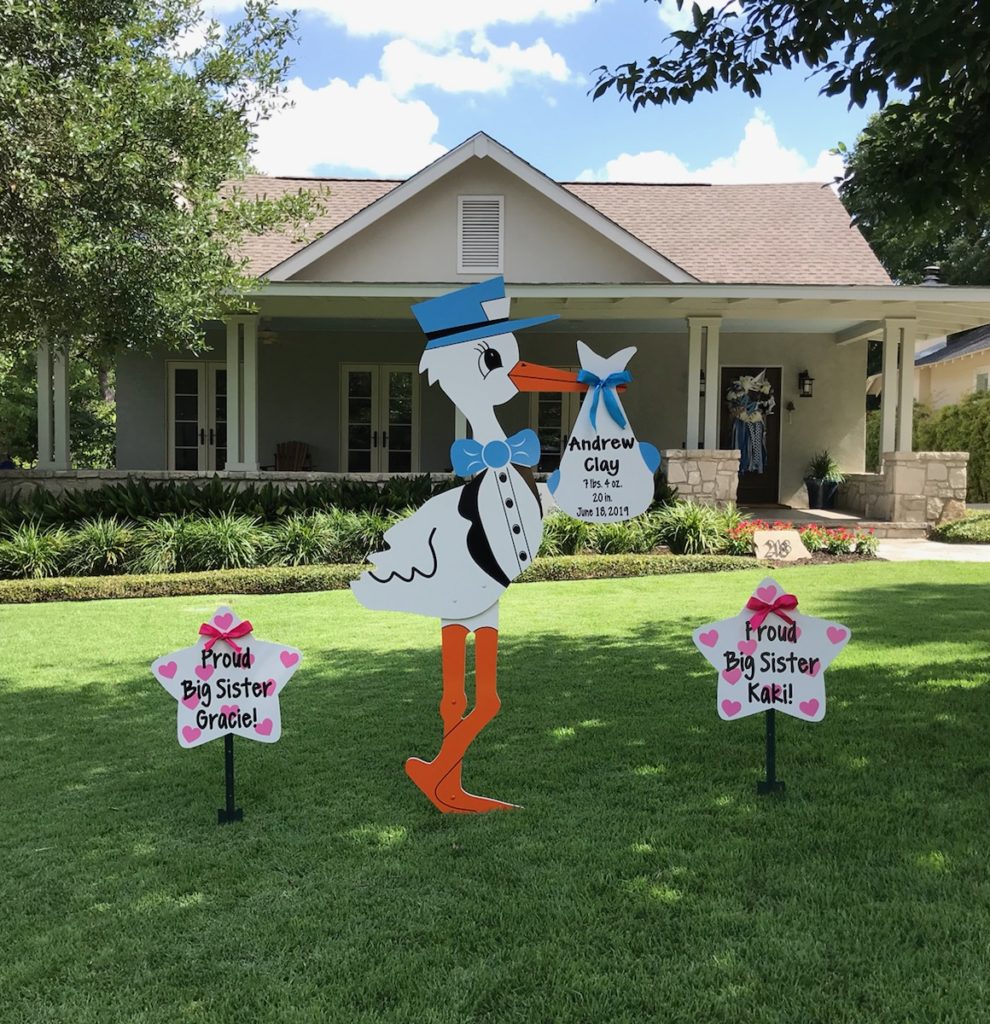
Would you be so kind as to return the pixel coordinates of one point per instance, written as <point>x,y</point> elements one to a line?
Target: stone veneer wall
<point>912,487</point>
<point>709,476</point>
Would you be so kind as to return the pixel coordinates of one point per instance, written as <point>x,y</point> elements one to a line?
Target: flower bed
<point>818,539</point>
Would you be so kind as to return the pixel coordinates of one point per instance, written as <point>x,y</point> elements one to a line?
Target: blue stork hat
<point>461,315</point>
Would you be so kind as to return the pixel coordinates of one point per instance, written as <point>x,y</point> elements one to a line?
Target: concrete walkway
<point>932,551</point>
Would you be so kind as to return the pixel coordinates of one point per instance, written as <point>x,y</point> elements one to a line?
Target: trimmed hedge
<point>301,579</point>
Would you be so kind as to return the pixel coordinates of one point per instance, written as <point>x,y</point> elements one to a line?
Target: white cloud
<point>759,158</point>
<point>679,20</point>
<point>365,127</point>
<point>434,21</point>
<point>405,65</point>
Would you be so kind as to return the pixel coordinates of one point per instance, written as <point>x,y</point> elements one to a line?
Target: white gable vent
<point>479,234</point>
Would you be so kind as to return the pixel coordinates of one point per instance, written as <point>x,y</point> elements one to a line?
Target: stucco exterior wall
<point>949,383</point>
<point>418,240</point>
<point>299,389</point>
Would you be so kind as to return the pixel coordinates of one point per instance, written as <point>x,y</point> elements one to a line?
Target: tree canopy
<point>119,120</point>
<point>933,54</point>
<point>881,198</point>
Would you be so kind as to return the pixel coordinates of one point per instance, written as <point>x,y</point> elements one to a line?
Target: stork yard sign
<point>771,657</point>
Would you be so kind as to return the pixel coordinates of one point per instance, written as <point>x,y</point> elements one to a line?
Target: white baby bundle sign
<point>605,474</point>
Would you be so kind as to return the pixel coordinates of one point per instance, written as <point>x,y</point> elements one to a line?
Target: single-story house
<point>947,374</point>
<point>712,283</point>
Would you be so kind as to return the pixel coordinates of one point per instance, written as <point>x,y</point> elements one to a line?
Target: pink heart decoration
<point>223,621</point>
<point>252,658</point>
<point>836,634</point>
<point>265,727</point>
<point>731,676</point>
<point>746,646</point>
<point>191,702</point>
<point>709,639</point>
<point>766,593</point>
<point>168,669</point>
<point>204,671</point>
<point>731,707</point>
<point>190,734</point>
<point>270,687</point>
<point>288,658</point>
<point>229,709</point>
<point>809,707</point>
<point>815,669</point>
<point>797,632</point>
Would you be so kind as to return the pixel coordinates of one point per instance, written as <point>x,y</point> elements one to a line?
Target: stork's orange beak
<point>533,377</point>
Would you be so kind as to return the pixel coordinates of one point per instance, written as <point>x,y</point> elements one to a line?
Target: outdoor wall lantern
<point>701,390</point>
<point>806,385</point>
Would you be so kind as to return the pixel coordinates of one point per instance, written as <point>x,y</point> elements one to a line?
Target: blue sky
<point>382,87</point>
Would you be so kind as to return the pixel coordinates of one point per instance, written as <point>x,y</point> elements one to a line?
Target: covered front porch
<point>333,370</point>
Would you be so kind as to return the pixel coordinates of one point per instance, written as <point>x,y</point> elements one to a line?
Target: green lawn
<point>644,881</point>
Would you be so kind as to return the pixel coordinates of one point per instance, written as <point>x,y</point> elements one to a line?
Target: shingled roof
<point>964,343</point>
<point>722,234</point>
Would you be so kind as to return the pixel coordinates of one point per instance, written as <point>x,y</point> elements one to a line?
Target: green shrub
<point>974,528</point>
<point>224,541</point>
<point>302,539</point>
<point>563,535</point>
<point>867,544</point>
<point>626,538</point>
<point>32,551</point>
<point>100,546</point>
<point>689,528</point>
<point>162,545</point>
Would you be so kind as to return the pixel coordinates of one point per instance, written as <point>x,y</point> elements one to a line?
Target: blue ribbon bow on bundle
<point>468,456</point>
<point>607,388</point>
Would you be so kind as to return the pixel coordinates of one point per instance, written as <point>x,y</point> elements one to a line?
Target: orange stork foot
<point>445,791</point>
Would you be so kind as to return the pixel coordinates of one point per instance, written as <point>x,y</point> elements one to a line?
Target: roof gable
<point>483,147</point>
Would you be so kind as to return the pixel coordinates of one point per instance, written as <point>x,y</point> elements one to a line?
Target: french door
<point>379,411</point>
<point>197,415</point>
<point>552,415</point>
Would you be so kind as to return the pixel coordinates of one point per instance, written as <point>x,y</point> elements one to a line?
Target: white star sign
<point>771,656</point>
<point>227,682</point>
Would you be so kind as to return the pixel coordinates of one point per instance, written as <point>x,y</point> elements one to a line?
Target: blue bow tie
<point>607,388</point>
<point>469,456</point>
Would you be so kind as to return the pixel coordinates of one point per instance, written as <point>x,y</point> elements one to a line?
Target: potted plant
<point>822,479</point>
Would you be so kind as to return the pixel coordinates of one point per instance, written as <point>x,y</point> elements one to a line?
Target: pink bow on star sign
<point>227,636</point>
<point>785,603</point>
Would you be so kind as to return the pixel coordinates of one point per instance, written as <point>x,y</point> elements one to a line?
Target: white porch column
<point>711,331</point>
<point>45,406</point>
<point>888,398</point>
<point>60,408</point>
<point>905,407</point>
<point>53,408</point>
<point>695,327</point>
<point>249,396</point>
<point>233,393</point>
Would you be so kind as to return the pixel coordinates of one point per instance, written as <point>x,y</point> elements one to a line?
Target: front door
<point>379,418</point>
<point>552,415</point>
<point>747,422</point>
<point>197,415</point>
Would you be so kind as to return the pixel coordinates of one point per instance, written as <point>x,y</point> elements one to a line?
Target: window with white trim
<point>982,381</point>
<point>479,234</point>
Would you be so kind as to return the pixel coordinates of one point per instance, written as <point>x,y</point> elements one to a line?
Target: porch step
<point>895,531</point>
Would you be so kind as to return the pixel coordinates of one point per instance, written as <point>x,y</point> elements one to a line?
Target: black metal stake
<point>771,784</point>
<point>230,812</point>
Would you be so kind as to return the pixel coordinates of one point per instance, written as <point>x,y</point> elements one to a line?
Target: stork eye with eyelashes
<point>488,359</point>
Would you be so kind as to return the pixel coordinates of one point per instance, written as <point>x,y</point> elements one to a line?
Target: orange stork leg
<point>440,779</point>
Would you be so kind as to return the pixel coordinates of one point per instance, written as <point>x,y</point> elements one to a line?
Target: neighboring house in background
<point>709,282</point>
<point>946,375</point>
